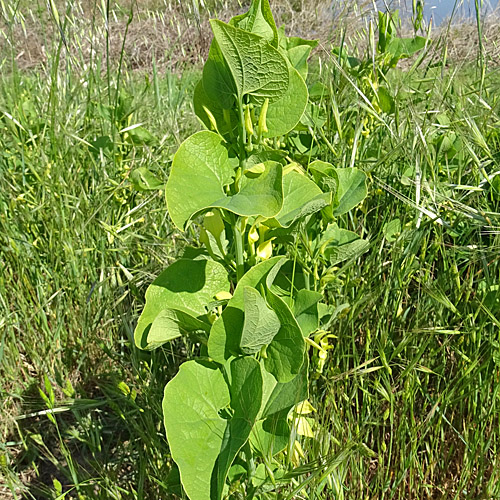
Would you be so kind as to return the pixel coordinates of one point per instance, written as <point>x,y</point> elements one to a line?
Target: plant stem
<point>306,280</point>
<point>478,5</point>
<point>249,459</point>
<point>243,132</point>
<point>238,238</point>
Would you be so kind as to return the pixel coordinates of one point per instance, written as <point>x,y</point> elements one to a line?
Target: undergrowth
<point>407,405</point>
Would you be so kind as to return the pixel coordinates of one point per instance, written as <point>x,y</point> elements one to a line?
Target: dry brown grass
<point>172,34</point>
<point>168,32</point>
<point>463,42</point>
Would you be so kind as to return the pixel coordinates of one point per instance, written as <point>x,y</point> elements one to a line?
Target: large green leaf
<point>225,335</point>
<point>305,310</point>
<point>259,194</point>
<point>271,432</point>
<point>298,51</point>
<point>218,82</point>
<point>289,284</point>
<point>351,189</point>
<point>338,244</point>
<point>255,67</point>
<point>400,48</point>
<point>260,324</point>
<point>258,20</point>
<point>348,185</point>
<point>272,435</point>
<point>302,197</point>
<point>195,430</point>
<point>246,401</point>
<point>288,279</point>
<point>285,354</point>
<point>170,324</point>
<point>200,170</point>
<point>280,397</point>
<point>285,113</point>
<point>256,278</point>
<point>187,286</point>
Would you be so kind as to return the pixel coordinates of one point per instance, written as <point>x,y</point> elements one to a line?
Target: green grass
<point>408,404</point>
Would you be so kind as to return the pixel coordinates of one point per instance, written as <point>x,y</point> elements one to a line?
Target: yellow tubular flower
<point>265,249</point>
<point>262,127</point>
<point>303,427</point>
<point>253,235</point>
<point>211,118</point>
<point>297,454</point>
<point>213,223</point>
<point>304,408</point>
<point>248,121</point>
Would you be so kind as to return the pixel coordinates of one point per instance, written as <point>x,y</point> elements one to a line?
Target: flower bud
<point>262,127</point>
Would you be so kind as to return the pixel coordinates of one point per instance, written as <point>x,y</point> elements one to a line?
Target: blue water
<point>441,10</point>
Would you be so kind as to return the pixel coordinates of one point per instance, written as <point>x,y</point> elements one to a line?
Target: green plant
<point>371,72</point>
<point>408,400</point>
<point>226,413</point>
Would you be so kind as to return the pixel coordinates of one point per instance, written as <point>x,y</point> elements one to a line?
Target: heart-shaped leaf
<point>246,400</point>
<point>225,335</point>
<point>170,324</point>
<point>285,354</point>
<point>285,113</point>
<point>301,197</point>
<point>260,324</point>
<point>200,171</point>
<point>201,167</point>
<point>187,286</point>
<point>272,435</point>
<point>298,51</point>
<point>191,405</point>
<point>259,194</point>
<point>305,310</point>
<point>348,185</point>
<point>242,63</point>
<point>339,244</point>
<point>280,397</point>
<point>258,20</point>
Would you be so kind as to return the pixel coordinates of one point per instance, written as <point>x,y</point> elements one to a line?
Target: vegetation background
<point>408,404</point>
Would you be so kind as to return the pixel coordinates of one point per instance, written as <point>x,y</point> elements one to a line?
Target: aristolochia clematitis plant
<point>253,195</point>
